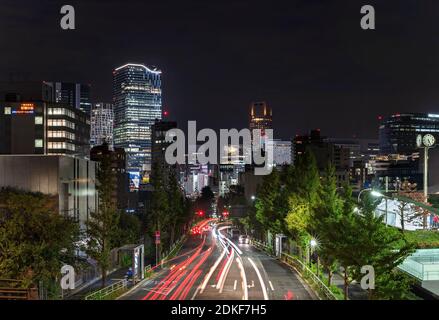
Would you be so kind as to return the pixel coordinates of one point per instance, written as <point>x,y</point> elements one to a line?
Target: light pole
<point>359,195</point>
<point>375,194</point>
<point>312,245</point>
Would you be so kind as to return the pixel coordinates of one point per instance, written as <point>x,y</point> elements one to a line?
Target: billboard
<point>134,177</point>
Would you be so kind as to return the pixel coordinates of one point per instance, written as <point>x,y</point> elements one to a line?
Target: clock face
<point>429,140</point>
<point>419,141</point>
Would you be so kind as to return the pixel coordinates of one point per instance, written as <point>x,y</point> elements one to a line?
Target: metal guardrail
<point>307,273</point>
<point>303,270</point>
<point>102,294</point>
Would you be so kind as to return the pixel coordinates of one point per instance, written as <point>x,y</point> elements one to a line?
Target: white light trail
<point>264,289</point>
<point>244,278</point>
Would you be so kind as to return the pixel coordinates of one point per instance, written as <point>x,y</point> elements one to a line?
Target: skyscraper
<point>137,100</point>
<point>261,116</point>
<point>398,132</point>
<point>101,123</point>
<point>76,95</point>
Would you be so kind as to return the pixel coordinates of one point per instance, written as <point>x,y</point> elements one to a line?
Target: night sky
<point>309,59</point>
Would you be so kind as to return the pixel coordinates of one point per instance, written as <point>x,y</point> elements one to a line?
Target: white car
<point>243,239</point>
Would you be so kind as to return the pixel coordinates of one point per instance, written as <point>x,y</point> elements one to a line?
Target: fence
<point>309,275</point>
<point>13,290</point>
<point>109,292</point>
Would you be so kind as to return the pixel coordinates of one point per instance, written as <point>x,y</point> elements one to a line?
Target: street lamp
<point>253,198</point>
<point>312,245</point>
<point>359,195</point>
<point>376,194</point>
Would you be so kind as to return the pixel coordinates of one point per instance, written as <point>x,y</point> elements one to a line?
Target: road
<point>213,267</point>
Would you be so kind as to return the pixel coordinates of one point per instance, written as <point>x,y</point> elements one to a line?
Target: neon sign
<point>25,108</point>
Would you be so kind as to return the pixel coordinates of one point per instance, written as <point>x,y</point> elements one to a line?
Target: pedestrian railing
<point>309,275</point>
<point>109,292</point>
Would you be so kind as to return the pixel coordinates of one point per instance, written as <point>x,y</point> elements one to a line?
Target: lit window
<point>38,143</point>
<point>8,110</point>
<point>38,120</point>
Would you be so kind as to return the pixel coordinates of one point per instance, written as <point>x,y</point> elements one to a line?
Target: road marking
<point>244,278</point>
<point>234,285</point>
<point>264,289</point>
<point>212,270</point>
<point>252,285</point>
<point>222,280</point>
<point>271,285</point>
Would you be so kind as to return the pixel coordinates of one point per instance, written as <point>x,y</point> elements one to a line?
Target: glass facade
<point>137,101</point>
<point>398,132</point>
<point>101,124</point>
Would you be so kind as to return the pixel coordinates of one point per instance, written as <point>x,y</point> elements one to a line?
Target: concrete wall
<point>71,179</point>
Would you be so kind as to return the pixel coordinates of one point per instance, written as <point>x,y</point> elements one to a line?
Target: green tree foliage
<point>382,247</point>
<point>177,207</point>
<point>102,227</point>
<point>129,230</point>
<point>329,210</point>
<point>35,240</point>
<point>266,204</point>
<point>159,216</point>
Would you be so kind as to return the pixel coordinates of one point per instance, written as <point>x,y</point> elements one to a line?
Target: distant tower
<point>101,122</point>
<point>137,100</point>
<point>261,117</point>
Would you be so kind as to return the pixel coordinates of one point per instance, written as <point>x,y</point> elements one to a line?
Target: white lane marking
<point>271,285</point>
<point>212,270</point>
<point>251,285</point>
<point>234,285</point>
<point>243,277</point>
<point>222,279</point>
<point>264,289</point>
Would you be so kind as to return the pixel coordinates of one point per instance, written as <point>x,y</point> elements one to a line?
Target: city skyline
<point>214,66</point>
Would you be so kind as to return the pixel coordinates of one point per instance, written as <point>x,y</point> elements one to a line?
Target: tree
<point>329,209</point>
<point>129,230</point>
<point>35,240</point>
<point>159,216</point>
<point>176,206</point>
<point>266,204</point>
<point>102,227</point>
<point>380,246</point>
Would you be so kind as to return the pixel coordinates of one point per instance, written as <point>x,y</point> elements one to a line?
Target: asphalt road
<point>213,267</point>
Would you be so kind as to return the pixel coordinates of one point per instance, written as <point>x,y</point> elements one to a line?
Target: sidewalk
<point>113,277</point>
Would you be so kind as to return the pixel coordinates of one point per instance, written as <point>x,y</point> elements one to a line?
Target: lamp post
<point>376,194</point>
<point>312,245</point>
<point>359,195</point>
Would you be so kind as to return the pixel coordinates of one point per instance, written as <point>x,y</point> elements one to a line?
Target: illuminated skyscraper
<point>101,123</point>
<point>137,100</point>
<point>261,116</point>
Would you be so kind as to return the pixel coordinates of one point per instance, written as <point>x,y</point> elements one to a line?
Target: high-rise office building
<point>38,127</point>
<point>159,143</point>
<point>137,100</point>
<point>261,116</point>
<point>101,122</point>
<point>282,152</point>
<point>76,95</point>
<point>397,133</point>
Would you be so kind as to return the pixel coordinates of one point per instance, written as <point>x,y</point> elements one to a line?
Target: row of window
<point>61,134</point>
<point>61,145</point>
<point>60,123</point>
<point>61,111</point>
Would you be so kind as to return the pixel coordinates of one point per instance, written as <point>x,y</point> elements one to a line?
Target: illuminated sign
<point>25,108</point>
<point>134,178</point>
